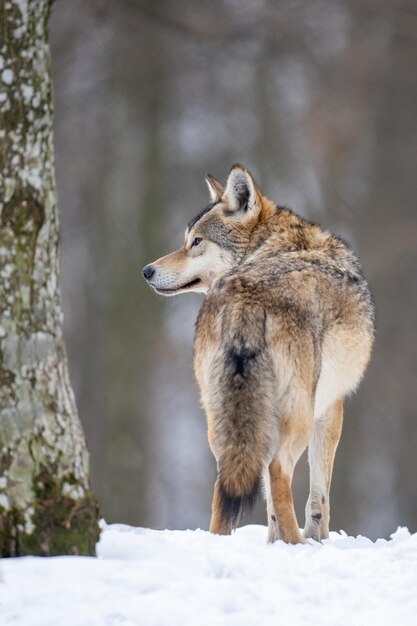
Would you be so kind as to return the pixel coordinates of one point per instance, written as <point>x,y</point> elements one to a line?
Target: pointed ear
<point>242,193</point>
<point>216,189</point>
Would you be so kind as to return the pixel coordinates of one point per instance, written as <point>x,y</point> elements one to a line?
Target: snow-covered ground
<point>168,578</point>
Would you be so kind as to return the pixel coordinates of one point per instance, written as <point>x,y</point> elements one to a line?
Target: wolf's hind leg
<point>321,452</point>
<point>294,433</point>
<point>219,525</point>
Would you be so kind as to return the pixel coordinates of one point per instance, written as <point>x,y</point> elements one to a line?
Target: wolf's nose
<point>148,271</point>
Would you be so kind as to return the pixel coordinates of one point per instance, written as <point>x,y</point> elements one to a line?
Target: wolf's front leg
<point>321,452</point>
<point>273,530</point>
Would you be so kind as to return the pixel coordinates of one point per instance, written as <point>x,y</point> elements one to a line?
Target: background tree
<point>46,506</point>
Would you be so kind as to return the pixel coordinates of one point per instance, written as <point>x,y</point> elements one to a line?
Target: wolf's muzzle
<point>148,271</point>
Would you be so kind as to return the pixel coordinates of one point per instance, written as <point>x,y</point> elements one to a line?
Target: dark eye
<point>196,241</point>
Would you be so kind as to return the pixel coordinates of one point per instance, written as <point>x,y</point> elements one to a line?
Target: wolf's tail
<point>238,488</point>
<point>245,422</point>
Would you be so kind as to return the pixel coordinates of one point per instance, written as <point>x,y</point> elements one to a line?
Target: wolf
<point>284,334</point>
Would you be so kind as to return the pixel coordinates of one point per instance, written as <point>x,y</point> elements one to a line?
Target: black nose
<point>148,271</point>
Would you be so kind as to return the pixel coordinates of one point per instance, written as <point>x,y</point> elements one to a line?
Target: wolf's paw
<point>315,528</point>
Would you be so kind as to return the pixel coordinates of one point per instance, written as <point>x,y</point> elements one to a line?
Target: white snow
<point>191,578</point>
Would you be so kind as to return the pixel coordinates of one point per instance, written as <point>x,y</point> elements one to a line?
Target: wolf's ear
<point>242,193</point>
<point>216,189</point>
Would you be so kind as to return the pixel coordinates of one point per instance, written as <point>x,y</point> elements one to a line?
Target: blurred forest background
<point>318,98</point>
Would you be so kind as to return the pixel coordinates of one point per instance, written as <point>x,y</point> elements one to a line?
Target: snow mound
<point>178,578</point>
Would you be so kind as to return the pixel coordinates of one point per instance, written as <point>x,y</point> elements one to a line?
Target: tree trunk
<point>46,505</point>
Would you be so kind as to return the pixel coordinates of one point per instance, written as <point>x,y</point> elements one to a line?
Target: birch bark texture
<point>46,504</point>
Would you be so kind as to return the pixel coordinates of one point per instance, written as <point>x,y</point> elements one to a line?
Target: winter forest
<point>111,116</point>
<point>319,100</point>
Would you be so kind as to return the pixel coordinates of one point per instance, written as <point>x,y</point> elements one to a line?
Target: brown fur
<point>285,332</point>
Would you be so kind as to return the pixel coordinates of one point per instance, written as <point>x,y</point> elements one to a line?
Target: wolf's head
<point>216,239</point>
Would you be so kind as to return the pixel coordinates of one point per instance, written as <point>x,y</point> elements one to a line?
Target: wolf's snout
<point>148,271</point>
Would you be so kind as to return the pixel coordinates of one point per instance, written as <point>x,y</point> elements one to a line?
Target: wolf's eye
<point>196,241</point>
